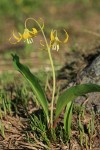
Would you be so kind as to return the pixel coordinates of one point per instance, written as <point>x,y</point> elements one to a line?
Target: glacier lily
<point>54,40</point>
<point>27,36</point>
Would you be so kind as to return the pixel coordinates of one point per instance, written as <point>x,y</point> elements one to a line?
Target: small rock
<point>91,74</point>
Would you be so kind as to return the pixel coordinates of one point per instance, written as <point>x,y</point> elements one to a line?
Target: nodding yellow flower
<point>54,40</point>
<point>27,36</point>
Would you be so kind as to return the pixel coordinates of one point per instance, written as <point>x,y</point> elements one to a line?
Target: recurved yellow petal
<point>17,38</point>
<point>41,43</point>
<point>52,37</point>
<point>67,36</point>
<point>34,31</point>
<point>57,40</point>
<point>11,41</point>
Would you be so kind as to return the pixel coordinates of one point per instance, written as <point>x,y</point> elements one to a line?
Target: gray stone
<point>91,74</point>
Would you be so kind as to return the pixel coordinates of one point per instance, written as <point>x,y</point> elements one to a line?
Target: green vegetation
<point>37,128</point>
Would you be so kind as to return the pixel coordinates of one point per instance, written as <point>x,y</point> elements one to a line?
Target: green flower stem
<point>53,70</point>
<point>54,78</point>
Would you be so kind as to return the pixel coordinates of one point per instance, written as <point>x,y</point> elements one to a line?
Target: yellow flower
<point>26,36</point>
<point>54,40</point>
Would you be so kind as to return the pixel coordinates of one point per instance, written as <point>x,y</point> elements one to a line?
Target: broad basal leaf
<point>72,93</point>
<point>24,70</point>
<point>68,118</point>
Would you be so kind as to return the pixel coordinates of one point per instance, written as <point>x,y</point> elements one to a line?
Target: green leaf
<point>72,93</point>
<point>37,89</point>
<point>68,118</point>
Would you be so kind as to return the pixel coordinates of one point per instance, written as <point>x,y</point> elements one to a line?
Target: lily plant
<point>65,99</point>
